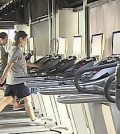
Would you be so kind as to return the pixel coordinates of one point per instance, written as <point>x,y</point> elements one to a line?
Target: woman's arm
<point>4,58</point>
<point>34,65</point>
<point>6,70</point>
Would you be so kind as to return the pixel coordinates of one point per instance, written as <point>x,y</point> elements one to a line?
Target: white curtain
<point>40,33</point>
<point>105,19</point>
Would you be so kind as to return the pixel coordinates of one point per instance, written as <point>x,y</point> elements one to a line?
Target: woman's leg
<point>28,107</point>
<point>17,105</point>
<point>6,100</point>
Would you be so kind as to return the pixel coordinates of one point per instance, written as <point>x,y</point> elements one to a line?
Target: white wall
<point>25,28</point>
<point>40,32</point>
<point>105,19</point>
<point>68,26</point>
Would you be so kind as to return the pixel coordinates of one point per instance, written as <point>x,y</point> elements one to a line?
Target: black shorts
<point>18,91</point>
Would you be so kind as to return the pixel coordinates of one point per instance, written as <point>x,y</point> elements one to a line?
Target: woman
<point>3,53</point>
<point>17,67</point>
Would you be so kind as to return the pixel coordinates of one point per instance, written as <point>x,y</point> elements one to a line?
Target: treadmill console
<point>108,60</point>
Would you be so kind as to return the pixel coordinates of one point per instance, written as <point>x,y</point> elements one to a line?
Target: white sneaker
<point>37,122</point>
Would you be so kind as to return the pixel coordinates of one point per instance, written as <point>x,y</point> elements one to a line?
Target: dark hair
<point>18,35</point>
<point>3,35</point>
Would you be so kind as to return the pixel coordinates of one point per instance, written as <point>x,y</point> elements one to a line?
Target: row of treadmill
<point>71,83</point>
<point>86,72</point>
<point>69,95</point>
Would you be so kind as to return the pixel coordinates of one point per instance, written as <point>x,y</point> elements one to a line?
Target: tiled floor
<point>8,126</point>
<point>11,122</point>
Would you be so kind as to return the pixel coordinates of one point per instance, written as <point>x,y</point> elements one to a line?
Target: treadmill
<point>94,98</point>
<point>60,83</point>
<point>57,90</point>
<point>36,83</point>
<point>94,105</point>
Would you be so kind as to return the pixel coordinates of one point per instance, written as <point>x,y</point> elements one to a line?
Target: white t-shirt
<point>19,68</point>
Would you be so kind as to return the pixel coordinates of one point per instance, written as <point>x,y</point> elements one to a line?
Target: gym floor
<point>17,122</point>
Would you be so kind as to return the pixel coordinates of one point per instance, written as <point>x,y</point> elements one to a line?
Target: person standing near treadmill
<point>3,53</point>
<point>17,67</point>
<point>3,64</point>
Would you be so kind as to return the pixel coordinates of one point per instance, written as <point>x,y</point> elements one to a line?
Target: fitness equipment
<point>28,56</point>
<point>61,66</point>
<point>65,89</point>
<point>90,122</point>
<point>46,84</point>
<point>92,80</point>
<point>46,65</point>
<point>112,84</point>
<point>84,63</point>
<point>110,88</point>
<point>94,106</point>
<point>43,60</point>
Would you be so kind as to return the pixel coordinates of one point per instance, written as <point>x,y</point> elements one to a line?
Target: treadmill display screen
<point>77,45</point>
<point>62,45</point>
<point>97,42</point>
<point>116,43</point>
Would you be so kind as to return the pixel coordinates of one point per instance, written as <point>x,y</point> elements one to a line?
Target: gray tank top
<point>3,63</point>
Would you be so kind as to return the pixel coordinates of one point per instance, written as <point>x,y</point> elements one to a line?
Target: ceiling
<point>14,11</point>
<point>3,2</point>
<point>17,10</point>
<point>69,1</point>
<point>73,3</point>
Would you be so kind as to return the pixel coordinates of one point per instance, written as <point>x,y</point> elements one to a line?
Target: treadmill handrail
<point>95,68</point>
<point>117,98</point>
<point>108,94</point>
